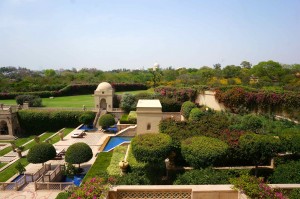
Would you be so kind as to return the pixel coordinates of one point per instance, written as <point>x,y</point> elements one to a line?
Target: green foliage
<point>294,194</point>
<point>186,108</point>
<point>70,170</point>
<point>118,155</point>
<point>106,120</point>
<point>34,122</point>
<point>63,195</point>
<point>255,187</point>
<point>78,153</point>
<point>151,147</point>
<point>206,176</point>
<point>251,123</point>
<point>33,101</point>
<point>99,167</point>
<point>202,151</point>
<point>87,118</point>
<point>134,178</point>
<point>132,117</point>
<point>170,104</point>
<point>287,173</point>
<point>41,153</point>
<point>196,114</point>
<point>20,167</point>
<point>259,148</point>
<point>290,139</point>
<point>128,102</point>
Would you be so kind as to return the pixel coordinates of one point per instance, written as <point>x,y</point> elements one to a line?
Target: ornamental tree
<point>259,148</point>
<point>87,118</point>
<point>186,108</point>
<point>201,151</point>
<point>106,120</point>
<point>128,102</point>
<point>151,148</point>
<point>41,153</point>
<point>78,153</point>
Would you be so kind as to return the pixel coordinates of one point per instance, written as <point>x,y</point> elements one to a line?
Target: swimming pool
<point>115,141</point>
<point>75,179</point>
<point>87,127</point>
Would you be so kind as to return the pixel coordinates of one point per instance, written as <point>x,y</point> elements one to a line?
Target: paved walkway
<point>94,140</point>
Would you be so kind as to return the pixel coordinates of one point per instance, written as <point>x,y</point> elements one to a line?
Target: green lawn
<point>10,171</point>
<point>76,101</point>
<point>2,164</point>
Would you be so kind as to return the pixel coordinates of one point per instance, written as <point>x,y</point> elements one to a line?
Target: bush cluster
<point>33,101</point>
<point>180,94</point>
<point>106,120</point>
<point>186,108</point>
<point>34,122</point>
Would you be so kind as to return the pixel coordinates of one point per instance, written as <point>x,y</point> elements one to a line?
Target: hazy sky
<point>112,34</point>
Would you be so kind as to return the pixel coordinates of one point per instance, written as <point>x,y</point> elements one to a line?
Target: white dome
<point>104,86</point>
<point>156,65</point>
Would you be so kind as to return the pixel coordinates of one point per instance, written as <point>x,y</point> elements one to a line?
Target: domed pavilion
<point>104,97</point>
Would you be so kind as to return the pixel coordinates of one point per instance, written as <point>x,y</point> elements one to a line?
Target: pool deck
<point>94,140</point>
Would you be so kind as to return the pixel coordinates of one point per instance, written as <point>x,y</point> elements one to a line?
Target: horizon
<point>135,34</point>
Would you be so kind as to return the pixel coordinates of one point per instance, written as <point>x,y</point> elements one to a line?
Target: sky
<point>113,34</point>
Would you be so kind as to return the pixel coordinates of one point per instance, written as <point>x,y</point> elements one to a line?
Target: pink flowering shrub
<point>93,188</point>
<point>255,188</point>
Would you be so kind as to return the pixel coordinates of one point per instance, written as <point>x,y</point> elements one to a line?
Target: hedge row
<point>34,122</point>
<point>76,89</point>
<point>180,94</point>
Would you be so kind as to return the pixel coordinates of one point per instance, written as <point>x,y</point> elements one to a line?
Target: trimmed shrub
<point>132,117</point>
<point>286,173</point>
<point>63,195</point>
<point>186,109</point>
<point>151,148</point>
<point>206,176</point>
<point>78,153</point>
<point>35,122</point>
<point>33,101</point>
<point>87,118</point>
<point>251,122</point>
<point>259,148</point>
<point>134,178</point>
<point>202,151</point>
<point>128,102</point>
<point>106,120</point>
<point>41,153</point>
<point>170,104</point>
<point>196,114</point>
<point>290,139</point>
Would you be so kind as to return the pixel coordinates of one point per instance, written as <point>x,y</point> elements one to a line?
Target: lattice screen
<point>154,195</point>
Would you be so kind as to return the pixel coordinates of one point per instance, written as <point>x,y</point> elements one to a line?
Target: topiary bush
<point>132,117</point>
<point>33,100</point>
<point>151,148</point>
<point>186,108</point>
<point>87,118</point>
<point>41,153</point>
<point>196,114</point>
<point>78,153</point>
<point>106,120</point>
<point>202,151</point>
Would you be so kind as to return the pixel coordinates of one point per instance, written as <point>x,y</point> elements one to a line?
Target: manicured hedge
<point>287,173</point>
<point>201,152</point>
<point>34,122</point>
<point>151,147</point>
<point>75,89</point>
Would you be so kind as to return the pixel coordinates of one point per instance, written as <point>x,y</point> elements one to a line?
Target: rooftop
<point>148,103</point>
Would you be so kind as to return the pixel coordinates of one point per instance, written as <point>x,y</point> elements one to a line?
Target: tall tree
<point>246,64</point>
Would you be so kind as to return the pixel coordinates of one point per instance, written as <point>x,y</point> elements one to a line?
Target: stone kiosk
<point>149,115</point>
<point>104,97</point>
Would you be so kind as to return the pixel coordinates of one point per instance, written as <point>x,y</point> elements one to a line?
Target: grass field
<point>76,101</point>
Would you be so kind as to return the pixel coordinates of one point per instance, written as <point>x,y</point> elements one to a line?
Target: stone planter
<point>123,166</point>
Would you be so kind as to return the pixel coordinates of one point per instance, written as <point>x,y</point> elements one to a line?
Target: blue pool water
<point>115,141</point>
<point>87,127</point>
<point>76,179</point>
<point>17,178</point>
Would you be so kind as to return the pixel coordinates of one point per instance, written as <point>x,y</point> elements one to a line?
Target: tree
<point>152,148</point>
<point>20,167</point>
<point>78,153</point>
<point>128,102</point>
<point>259,148</point>
<point>106,120</point>
<point>290,139</point>
<point>186,108</point>
<point>246,64</point>
<point>41,153</point>
<point>268,71</point>
<point>217,66</point>
<point>156,76</point>
<point>201,152</point>
<point>231,71</point>
<point>87,118</point>
<point>196,114</point>
<point>252,122</point>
